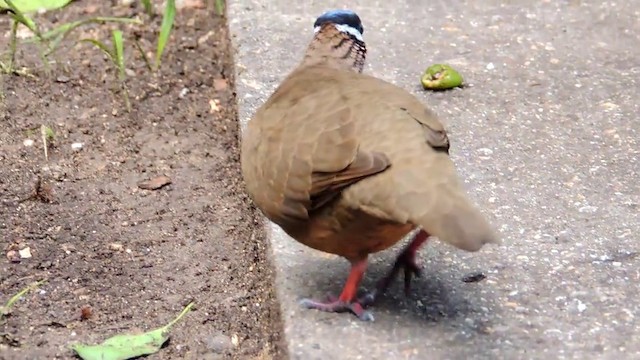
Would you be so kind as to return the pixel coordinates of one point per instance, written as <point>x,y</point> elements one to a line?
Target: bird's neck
<point>336,49</point>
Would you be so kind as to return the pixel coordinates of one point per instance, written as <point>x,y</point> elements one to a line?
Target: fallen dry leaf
<point>155,183</point>
<point>202,39</point>
<point>185,4</point>
<point>85,312</point>
<point>89,9</point>
<point>220,84</point>
<point>116,247</point>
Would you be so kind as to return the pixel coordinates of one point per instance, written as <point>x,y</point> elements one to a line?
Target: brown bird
<point>349,164</point>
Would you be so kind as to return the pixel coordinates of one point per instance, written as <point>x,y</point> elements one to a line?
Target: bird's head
<point>337,42</point>
<point>345,21</point>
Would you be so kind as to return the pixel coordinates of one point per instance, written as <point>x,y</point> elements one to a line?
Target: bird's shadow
<point>439,295</point>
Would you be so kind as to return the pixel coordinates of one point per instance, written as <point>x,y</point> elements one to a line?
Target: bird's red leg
<point>347,300</point>
<point>406,261</point>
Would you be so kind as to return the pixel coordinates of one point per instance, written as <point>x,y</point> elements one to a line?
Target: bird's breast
<point>350,233</point>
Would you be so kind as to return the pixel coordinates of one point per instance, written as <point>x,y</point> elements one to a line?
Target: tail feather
<point>461,225</point>
<point>443,209</point>
<point>430,197</point>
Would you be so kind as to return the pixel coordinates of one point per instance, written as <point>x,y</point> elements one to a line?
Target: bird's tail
<point>429,195</point>
<point>444,210</point>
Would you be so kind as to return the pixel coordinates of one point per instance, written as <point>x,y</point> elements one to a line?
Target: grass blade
<point>6,308</point>
<point>144,55</point>
<point>148,7</point>
<point>56,35</point>
<point>118,52</point>
<point>219,6</point>
<point>165,29</point>
<point>19,16</point>
<point>65,28</point>
<point>100,45</point>
<point>13,42</point>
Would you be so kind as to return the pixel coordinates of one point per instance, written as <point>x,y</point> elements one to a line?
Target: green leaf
<point>100,45</point>
<point>29,6</point>
<point>118,51</point>
<point>65,28</point>
<point>219,5</point>
<point>148,7</point>
<point>165,29</point>
<point>48,133</point>
<point>122,347</point>
<point>57,34</point>
<point>144,55</point>
<point>19,16</point>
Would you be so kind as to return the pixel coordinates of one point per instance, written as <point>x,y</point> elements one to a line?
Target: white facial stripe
<point>351,30</point>
<point>344,28</point>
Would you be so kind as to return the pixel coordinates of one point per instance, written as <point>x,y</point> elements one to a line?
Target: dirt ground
<point>134,257</point>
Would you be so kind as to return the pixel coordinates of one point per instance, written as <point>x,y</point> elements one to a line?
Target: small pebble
<point>28,142</point>
<point>76,146</point>
<point>62,79</point>
<point>581,306</point>
<point>588,209</point>
<point>563,236</point>
<point>13,256</point>
<point>490,66</point>
<point>155,183</point>
<point>218,343</point>
<point>474,277</point>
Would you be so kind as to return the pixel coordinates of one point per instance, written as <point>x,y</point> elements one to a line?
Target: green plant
<point>47,138</point>
<point>148,7</point>
<point>116,55</point>
<point>29,6</point>
<point>129,346</point>
<point>56,35</point>
<point>48,41</point>
<point>219,6</point>
<point>165,30</point>
<point>19,17</point>
<point>6,308</point>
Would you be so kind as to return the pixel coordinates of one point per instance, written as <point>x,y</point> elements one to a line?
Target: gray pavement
<point>546,138</point>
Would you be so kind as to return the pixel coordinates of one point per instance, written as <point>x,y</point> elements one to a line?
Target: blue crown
<point>340,17</point>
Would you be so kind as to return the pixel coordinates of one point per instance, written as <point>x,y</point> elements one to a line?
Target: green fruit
<point>440,77</point>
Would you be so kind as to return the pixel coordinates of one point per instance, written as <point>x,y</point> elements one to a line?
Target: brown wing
<point>422,187</point>
<point>327,185</point>
<point>305,150</point>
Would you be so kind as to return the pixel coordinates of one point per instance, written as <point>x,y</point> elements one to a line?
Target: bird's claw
<point>333,304</point>
<point>407,262</point>
<point>411,269</point>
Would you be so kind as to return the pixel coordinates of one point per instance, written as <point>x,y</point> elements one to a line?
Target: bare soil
<point>131,257</point>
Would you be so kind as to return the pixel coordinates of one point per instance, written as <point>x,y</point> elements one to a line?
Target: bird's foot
<point>334,304</point>
<point>406,261</point>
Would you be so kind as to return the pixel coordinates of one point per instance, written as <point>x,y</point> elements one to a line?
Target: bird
<point>350,164</point>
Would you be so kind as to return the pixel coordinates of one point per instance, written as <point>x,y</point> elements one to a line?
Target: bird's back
<point>420,186</point>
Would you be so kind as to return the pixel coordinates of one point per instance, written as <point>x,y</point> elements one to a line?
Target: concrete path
<point>546,137</point>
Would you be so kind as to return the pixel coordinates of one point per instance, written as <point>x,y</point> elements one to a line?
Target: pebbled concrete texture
<point>545,136</point>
